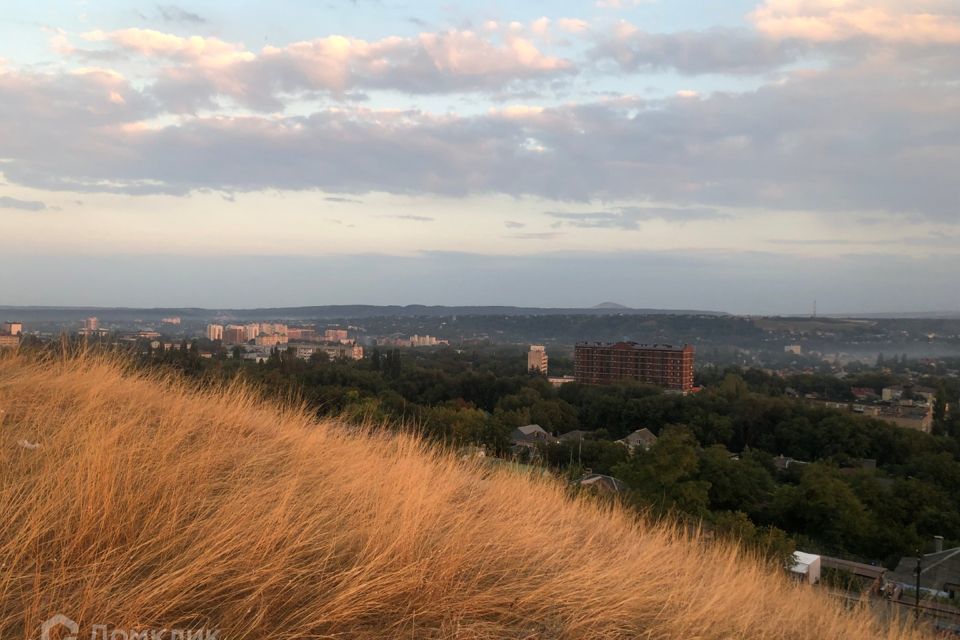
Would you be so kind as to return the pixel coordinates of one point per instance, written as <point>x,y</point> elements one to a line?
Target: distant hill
<point>902,315</point>
<point>136,501</point>
<point>119,314</point>
<point>611,305</point>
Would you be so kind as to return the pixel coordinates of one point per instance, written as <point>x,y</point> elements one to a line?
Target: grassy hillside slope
<point>151,505</point>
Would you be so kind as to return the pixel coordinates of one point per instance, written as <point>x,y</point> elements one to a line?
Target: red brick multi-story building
<point>658,364</point>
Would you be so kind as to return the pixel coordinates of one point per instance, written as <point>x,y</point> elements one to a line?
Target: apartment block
<point>537,359</point>
<point>661,365</point>
<point>215,332</point>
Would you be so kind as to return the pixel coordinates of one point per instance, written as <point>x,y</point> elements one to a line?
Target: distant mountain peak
<point>610,305</point>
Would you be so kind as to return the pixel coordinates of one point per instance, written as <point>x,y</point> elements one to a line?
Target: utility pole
<point>916,610</point>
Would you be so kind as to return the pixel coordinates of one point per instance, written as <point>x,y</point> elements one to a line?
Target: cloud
<point>629,218</point>
<point>61,112</point>
<point>718,50</point>
<point>414,218</point>
<point>947,241</point>
<point>510,224</point>
<point>343,200</point>
<point>927,22</point>
<point>786,32</point>
<point>201,69</point>
<point>886,144</point>
<point>534,235</point>
<point>177,15</point>
<point>620,4</point>
<point>151,43</point>
<point>573,25</point>
<point>831,242</point>
<point>6,202</point>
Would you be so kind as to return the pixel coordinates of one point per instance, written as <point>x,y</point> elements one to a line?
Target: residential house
<point>641,438</point>
<point>525,440</point>
<point>783,463</point>
<point>530,434</point>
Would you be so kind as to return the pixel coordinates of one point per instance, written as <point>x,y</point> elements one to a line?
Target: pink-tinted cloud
<point>915,22</point>
<point>887,143</point>
<point>573,25</point>
<point>151,43</point>
<point>197,69</point>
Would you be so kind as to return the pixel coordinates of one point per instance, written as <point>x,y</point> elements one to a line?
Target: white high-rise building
<point>251,331</point>
<point>537,359</point>
<point>215,332</point>
<point>91,324</point>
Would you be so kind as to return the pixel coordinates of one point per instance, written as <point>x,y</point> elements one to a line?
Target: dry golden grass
<point>150,505</point>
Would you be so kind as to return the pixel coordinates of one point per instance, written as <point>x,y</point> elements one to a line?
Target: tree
<point>555,416</point>
<point>665,476</point>
<point>823,507</point>
<point>772,543</point>
<point>733,387</point>
<point>735,485</point>
<point>392,366</point>
<point>940,411</point>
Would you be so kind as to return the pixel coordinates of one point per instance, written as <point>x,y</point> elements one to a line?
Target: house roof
<point>574,435</point>
<point>641,436</point>
<point>601,481</point>
<point>782,462</point>
<point>937,570</point>
<point>530,429</point>
<point>636,346</point>
<point>530,433</point>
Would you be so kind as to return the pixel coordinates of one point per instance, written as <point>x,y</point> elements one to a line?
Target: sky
<point>744,156</point>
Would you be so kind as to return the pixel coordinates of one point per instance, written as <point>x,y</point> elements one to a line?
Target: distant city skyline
<point>748,156</point>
